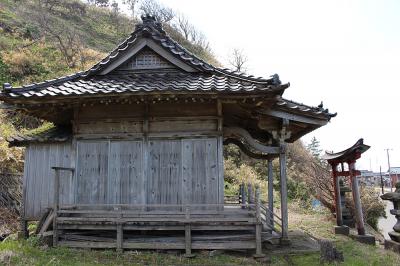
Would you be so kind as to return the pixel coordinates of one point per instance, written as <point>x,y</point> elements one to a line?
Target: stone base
<point>259,256</point>
<point>395,236</point>
<point>366,239</point>
<point>284,242</point>
<point>342,230</point>
<point>392,245</point>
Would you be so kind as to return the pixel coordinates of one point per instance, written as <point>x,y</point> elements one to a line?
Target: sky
<point>342,52</point>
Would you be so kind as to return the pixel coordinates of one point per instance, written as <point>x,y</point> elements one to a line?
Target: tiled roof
<point>54,134</point>
<point>208,77</point>
<point>144,82</point>
<point>304,109</point>
<point>394,170</point>
<point>150,28</point>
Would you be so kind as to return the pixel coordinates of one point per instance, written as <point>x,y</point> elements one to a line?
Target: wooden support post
<point>188,234</point>
<point>240,193</point>
<point>120,237</point>
<point>55,205</point>
<point>244,197</point>
<point>258,225</point>
<point>336,187</point>
<point>284,198</point>
<point>270,215</point>
<point>24,229</point>
<point>250,197</point>
<point>356,198</point>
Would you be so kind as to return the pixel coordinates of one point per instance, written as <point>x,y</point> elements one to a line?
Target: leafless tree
<point>160,12</point>
<point>184,26</point>
<point>189,32</point>
<point>132,5</point>
<point>238,60</point>
<point>303,166</point>
<point>67,39</point>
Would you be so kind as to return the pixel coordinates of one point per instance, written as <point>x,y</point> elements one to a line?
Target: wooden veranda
<point>241,225</point>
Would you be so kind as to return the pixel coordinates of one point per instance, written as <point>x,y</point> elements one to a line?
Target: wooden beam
<point>294,117</point>
<point>120,237</point>
<point>284,196</point>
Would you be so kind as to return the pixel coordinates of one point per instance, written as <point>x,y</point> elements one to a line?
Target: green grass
<point>27,252</point>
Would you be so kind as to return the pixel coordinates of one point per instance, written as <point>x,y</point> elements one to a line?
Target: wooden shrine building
<point>138,146</point>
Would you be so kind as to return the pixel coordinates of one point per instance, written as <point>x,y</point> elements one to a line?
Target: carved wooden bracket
<point>282,135</point>
<point>240,133</point>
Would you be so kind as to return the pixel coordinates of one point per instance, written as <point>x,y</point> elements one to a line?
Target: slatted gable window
<point>146,59</point>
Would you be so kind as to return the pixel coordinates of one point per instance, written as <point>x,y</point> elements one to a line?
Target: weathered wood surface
<point>112,172</point>
<point>148,153</point>
<point>39,177</point>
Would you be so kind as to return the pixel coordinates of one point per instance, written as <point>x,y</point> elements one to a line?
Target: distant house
<point>370,178</point>
<point>394,174</point>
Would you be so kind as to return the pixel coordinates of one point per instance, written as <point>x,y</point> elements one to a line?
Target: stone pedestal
<point>284,241</point>
<point>366,239</point>
<point>342,230</point>
<point>346,215</point>
<point>392,245</point>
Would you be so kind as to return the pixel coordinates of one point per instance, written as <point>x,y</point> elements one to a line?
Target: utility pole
<point>390,176</point>
<point>380,172</point>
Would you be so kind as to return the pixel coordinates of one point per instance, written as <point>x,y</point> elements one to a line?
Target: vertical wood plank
<point>187,166</point>
<point>92,172</point>
<point>164,180</point>
<point>27,187</point>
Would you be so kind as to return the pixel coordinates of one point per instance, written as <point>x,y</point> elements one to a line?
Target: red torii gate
<point>349,156</point>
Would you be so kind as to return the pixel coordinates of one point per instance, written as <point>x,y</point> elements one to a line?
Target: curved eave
<point>351,153</point>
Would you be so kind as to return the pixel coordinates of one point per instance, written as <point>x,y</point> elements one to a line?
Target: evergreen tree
<point>314,148</point>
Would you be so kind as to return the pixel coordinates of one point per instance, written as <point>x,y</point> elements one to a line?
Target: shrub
<point>373,206</point>
<point>23,63</point>
<point>4,72</point>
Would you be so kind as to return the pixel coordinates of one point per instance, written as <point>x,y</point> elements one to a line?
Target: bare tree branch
<point>238,60</point>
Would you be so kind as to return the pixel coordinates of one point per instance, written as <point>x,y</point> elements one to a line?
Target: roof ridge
<point>284,101</point>
<point>152,28</point>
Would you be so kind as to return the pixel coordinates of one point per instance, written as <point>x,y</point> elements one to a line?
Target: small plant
<point>34,241</point>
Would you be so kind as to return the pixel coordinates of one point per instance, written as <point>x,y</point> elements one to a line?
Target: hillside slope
<point>46,39</point>
<point>41,41</point>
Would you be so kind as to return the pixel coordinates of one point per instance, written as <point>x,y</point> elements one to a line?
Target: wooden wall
<point>125,156</point>
<point>39,177</point>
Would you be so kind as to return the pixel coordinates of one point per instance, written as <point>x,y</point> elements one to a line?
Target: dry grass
<point>8,222</point>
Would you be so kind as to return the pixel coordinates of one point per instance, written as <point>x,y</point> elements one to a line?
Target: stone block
<point>394,236</point>
<point>342,230</point>
<point>365,239</point>
<point>392,245</point>
<point>284,241</point>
